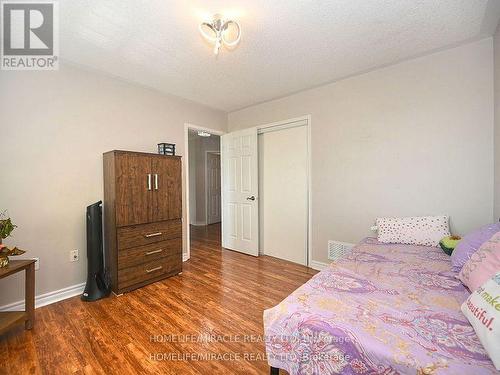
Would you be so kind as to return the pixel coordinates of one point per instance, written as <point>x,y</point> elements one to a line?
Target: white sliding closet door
<point>283,184</point>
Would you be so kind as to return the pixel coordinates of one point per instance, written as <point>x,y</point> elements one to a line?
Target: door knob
<point>252,198</point>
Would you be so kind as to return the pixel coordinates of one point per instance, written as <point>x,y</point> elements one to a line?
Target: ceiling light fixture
<point>221,32</point>
<point>201,133</point>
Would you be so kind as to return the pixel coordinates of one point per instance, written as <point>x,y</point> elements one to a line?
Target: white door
<point>213,188</point>
<point>283,196</point>
<point>240,185</point>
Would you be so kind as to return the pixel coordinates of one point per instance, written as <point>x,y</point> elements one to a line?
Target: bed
<point>383,309</point>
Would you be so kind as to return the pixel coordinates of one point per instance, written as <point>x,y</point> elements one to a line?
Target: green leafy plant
<point>6,227</point>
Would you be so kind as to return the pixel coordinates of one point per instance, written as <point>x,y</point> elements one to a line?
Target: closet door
<point>134,188</point>
<point>167,188</point>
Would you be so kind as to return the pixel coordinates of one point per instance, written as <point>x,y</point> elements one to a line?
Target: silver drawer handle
<point>154,252</point>
<point>149,181</point>
<point>154,269</point>
<point>153,234</point>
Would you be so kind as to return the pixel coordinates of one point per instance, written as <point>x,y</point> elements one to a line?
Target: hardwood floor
<point>220,295</point>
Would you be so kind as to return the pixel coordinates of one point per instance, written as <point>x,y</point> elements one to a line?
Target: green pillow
<point>449,243</point>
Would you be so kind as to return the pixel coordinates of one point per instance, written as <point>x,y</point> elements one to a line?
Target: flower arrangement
<point>6,228</point>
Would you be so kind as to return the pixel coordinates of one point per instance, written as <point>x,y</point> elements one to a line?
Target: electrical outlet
<point>37,263</point>
<point>73,256</point>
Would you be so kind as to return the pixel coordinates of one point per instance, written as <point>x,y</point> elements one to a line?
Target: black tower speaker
<point>98,285</point>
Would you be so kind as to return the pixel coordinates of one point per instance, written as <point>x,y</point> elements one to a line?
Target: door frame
<point>216,152</point>
<point>287,124</point>
<point>186,254</point>
<point>278,125</point>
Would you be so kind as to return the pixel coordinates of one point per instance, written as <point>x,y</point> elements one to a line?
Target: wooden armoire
<point>142,218</point>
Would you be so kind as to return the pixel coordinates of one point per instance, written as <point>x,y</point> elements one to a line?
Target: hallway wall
<point>197,158</point>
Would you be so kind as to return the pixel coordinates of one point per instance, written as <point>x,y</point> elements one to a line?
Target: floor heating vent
<point>337,249</point>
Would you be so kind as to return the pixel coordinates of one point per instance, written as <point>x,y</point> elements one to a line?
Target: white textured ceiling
<point>287,45</point>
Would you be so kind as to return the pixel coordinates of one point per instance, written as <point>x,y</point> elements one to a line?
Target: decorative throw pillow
<point>423,230</point>
<point>483,264</point>
<point>482,308</point>
<point>470,244</point>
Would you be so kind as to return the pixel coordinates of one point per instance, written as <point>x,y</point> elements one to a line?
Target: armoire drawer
<point>169,265</point>
<point>142,254</point>
<point>145,234</point>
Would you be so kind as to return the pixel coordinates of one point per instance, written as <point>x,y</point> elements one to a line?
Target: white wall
<point>496,42</point>
<point>410,139</point>
<point>54,127</point>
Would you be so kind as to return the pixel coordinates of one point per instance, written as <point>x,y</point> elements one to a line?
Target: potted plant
<point>6,228</point>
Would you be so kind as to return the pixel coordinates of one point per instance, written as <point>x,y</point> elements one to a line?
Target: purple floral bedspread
<point>383,309</point>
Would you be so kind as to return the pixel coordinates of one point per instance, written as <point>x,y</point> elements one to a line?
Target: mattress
<point>383,309</point>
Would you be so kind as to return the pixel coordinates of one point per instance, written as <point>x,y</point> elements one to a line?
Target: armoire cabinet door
<point>134,188</point>
<point>167,189</point>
